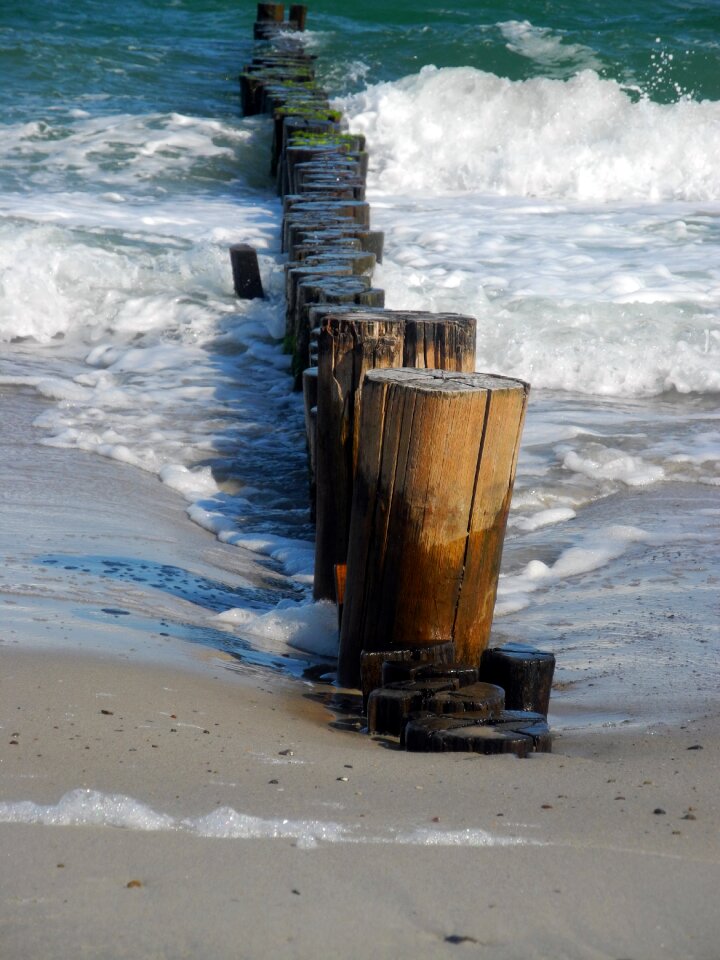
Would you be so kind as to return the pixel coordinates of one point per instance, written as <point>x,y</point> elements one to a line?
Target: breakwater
<point>412,453</point>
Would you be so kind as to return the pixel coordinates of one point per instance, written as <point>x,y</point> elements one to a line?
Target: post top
<point>444,381</point>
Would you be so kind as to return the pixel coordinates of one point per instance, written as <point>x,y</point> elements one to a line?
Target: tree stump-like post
<point>298,15</point>
<point>337,290</point>
<point>349,344</point>
<point>440,341</point>
<point>246,272</point>
<point>436,466</point>
<point>348,348</point>
<point>524,672</point>
<point>270,12</point>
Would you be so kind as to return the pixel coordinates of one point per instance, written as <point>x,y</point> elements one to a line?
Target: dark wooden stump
<point>246,272</point>
<point>298,15</point>
<point>270,12</point>
<point>524,672</point>
<point>371,662</point>
<point>508,732</point>
<point>481,699</point>
<point>396,671</point>
<point>388,708</point>
<point>487,740</point>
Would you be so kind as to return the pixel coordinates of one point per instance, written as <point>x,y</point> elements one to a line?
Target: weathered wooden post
<point>349,344</point>
<point>298,15</point>
<point>435,471</point>
<point>270,12</point>
<point>439,341</point>
<point>246,272</point>
<point>524,672</point>
<point>347,290</point>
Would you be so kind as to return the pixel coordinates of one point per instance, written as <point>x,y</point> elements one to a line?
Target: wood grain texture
<point>349,345</point>
<point>435,467</point>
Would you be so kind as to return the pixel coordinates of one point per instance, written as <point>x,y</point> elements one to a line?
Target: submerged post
<point>246,272</point>
<point>436,466</point>
<point>270,12</point>
<point>298,15</point>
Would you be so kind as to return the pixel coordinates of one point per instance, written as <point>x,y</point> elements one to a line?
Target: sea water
<point>551,170</point>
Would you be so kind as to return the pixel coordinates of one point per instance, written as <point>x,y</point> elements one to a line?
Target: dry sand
<point>557,856</point>
<point>599,873</point>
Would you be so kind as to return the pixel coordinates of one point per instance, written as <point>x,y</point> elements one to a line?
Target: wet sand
<point>564,855</point>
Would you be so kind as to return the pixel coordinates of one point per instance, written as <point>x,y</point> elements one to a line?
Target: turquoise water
<point>659,49</point>
<point>174,55</point>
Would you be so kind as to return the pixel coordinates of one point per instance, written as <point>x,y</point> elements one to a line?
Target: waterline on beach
<point>84,807</point>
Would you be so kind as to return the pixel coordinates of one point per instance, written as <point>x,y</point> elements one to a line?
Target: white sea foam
<point>91,808</point>
<point>470,837</point>
<point>597,550</point>
<point>303,625</point>
<point>459,128</point>
<point>87,808</point>
<point>115,150</point>
<point>546,47</point>
<point>544,518</point>
<point>550,287</point>
<point>295,556</point>
<point>603,287</point>
<point>603,462</point>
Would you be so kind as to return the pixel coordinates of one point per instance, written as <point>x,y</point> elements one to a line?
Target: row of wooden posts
<point>412,454</point>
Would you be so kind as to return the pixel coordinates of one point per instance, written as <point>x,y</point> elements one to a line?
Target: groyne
<point>412,454</point>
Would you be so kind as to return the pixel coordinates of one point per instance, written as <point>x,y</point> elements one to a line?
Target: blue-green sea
<point>549,167</point>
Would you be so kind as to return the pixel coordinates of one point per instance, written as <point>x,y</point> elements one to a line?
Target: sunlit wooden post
<point>350,344</point>
<point>435,471</point>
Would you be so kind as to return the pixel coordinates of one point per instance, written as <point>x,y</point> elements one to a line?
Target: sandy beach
<point>561,855</point>
<point>256,820</point>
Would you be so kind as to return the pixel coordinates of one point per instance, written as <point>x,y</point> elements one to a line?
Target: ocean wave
<point>126,150</point>
<point>546,47</point>
<point>461,129</point>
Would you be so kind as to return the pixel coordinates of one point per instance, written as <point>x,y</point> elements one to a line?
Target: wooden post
<point>436,465</point>
<point>246,273</point>
<point>509,732</point>
<point>270,12</point>
<point>349,344</point>
<point>310,406</point>
<point>372,662</point>
<point>440,341</point>
<point>337,290</point>
<point>524,672</point>
<point>340,577</point>
<point>298,15</point>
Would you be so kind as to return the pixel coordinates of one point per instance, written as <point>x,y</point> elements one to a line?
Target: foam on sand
<point>89,808</point>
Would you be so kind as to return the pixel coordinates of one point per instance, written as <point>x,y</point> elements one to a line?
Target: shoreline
<point>557,855</point>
